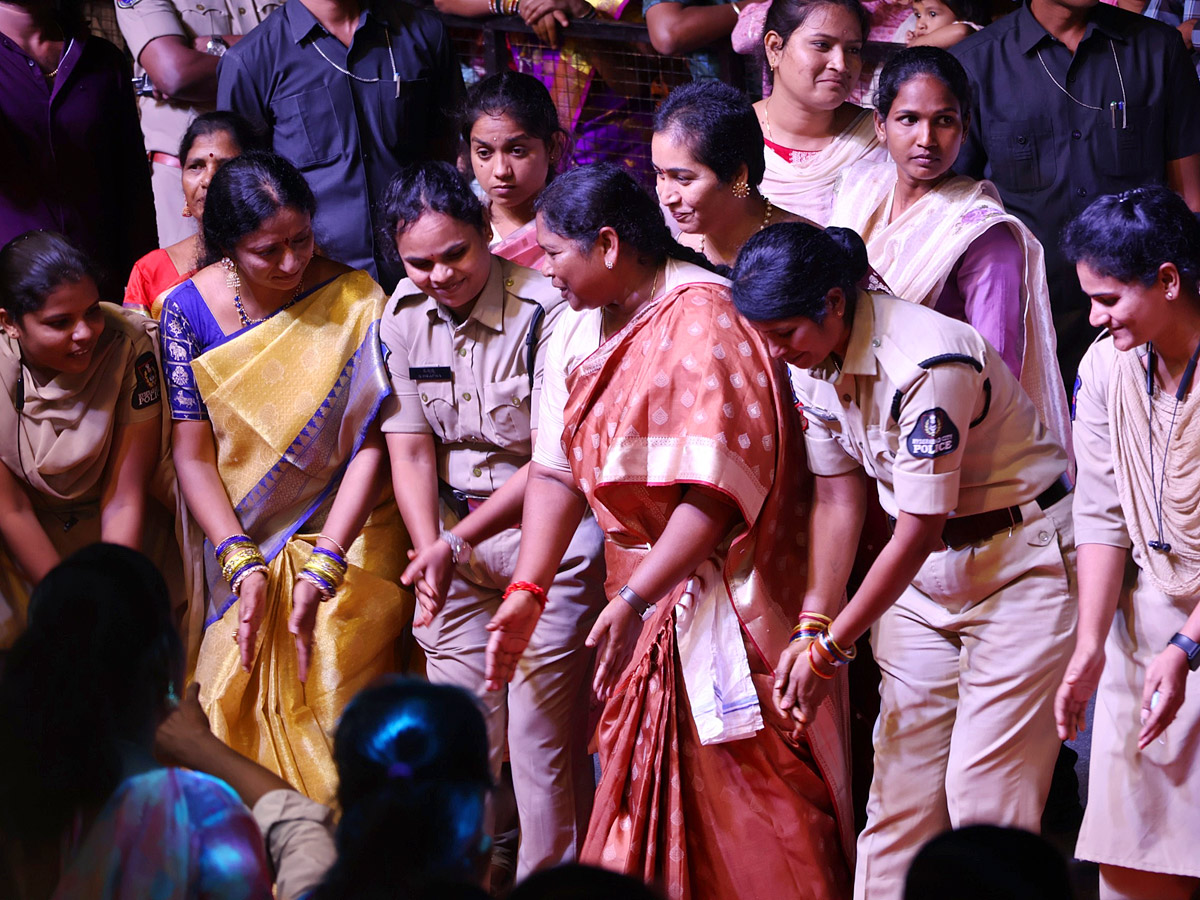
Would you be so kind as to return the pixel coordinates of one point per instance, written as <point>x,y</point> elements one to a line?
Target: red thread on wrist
<point>529,586</point>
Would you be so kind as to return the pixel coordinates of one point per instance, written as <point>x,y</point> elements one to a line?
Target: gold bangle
<point>336,546</point>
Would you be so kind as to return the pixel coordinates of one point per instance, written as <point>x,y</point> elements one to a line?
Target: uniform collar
<point>1030,33</point>
<point>489,308</point>
<point>860,350</point>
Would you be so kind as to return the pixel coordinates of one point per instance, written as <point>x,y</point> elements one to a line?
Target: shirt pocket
<point>306,128</point>
<point>880,453</point>
<point>437,399</point>
<point>507,412</point>
<point>1021,154</point>
<point>1134,152</point>
<point>205,17</point>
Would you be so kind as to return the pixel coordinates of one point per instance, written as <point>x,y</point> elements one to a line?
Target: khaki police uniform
<point>973,651</point>
<point>164,122</point>
<point>469,386</point>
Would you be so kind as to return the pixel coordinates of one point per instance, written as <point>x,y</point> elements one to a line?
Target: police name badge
<point>934,435</point>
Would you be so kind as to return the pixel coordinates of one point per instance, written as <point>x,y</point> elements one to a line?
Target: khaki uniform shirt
<point>929,409</point>
<point>141,21</point>
<point>469,384</point>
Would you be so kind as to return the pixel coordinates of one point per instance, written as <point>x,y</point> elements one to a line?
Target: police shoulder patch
<point>933,435</point>
<point>145,382</point>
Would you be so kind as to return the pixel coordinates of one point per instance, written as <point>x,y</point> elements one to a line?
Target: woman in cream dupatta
<point>929,233</point>
<point>810,131</point>
<point>1137,527</point>
<point>278,416</point>
<point>81,420</point>
<point>675,431</point>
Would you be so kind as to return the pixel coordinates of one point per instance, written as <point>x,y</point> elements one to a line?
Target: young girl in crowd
<point>971,615</point>
<point>811,131</point>
<point>514,141</point>
<point>675,432</point>
<point>1136,524</point>
<point>80,417</point>
<point>708,164</point>
<point>465,338</point>
<point>209,142</point>
<point>944,240</point>
<point>275,380</point>
<point>943,23</point>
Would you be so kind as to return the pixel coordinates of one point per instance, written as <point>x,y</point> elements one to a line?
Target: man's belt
<point>164,159</point>
<point>962,531</point>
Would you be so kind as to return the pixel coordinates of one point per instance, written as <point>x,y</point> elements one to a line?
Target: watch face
<point>216,46</point>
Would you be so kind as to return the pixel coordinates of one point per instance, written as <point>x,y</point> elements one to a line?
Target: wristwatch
<point>1190,648</point>
<point>640,605</point>
<point>216,45</point>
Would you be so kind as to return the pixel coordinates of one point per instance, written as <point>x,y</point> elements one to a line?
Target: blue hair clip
<point>399,770</point>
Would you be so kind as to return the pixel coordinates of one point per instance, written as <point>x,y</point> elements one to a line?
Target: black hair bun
<point>854,250</point>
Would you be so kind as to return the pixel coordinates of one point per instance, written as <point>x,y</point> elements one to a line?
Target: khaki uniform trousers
<point>971,656</point>
<point>543,713</point>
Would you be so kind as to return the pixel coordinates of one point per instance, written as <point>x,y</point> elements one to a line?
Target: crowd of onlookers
<point>894,362</point>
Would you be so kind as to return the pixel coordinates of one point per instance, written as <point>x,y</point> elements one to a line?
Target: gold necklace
<point>765,222</point>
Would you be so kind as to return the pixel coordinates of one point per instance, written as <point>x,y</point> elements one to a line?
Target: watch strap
<point>635,600</point>
<point>1190,648</point>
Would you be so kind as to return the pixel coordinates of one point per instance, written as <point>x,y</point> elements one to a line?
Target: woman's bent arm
<point>123,504</point>
<point>553,509</point>
<point>23,534</point>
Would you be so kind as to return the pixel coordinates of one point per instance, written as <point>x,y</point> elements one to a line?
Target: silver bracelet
<point>460,550</point>
<point>635,600</point>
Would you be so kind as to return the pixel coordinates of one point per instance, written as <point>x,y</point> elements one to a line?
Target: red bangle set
<point>535,589</point>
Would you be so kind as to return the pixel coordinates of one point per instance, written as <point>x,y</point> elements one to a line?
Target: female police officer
<point>970,602</point>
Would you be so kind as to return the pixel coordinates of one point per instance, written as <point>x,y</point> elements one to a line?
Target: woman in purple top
<point>944,240</point>
<point>71,153</point>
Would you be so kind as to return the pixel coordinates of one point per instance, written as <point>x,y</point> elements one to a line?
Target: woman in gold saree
<point>675,430</point>
<point>275,377</point>
<point>80,418</point>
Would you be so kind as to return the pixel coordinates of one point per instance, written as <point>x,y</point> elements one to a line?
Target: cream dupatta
<point>915,253</point>
<point>291,401</point>
<point>806,188</point>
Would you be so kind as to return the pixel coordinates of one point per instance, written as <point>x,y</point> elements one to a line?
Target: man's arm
<point>180,70</point>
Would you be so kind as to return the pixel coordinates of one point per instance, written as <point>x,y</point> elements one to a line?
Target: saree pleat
<point>755,817</point>
<point>291,402</point>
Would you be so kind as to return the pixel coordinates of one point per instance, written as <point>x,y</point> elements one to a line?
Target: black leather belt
<point>962,531</point>
<point>458,502</point>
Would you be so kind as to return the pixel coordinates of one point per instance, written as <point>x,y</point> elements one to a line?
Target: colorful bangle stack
<point>239,557</point>
<point>535,589</point>
<point>324,570</point>
<point>812,626</point>
<point>504,7</point>
<point>832,652</point>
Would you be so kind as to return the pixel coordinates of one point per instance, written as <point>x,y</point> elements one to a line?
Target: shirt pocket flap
<point>507,410</point>
<point>307,130</point>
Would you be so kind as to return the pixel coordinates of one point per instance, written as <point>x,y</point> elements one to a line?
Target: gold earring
<point>187,213</point>
<point>740,189</point>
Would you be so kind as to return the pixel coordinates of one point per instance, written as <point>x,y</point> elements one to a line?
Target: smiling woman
<point>275,380</point>
<point>80,415</point>
<point>811,132</point>
<point>465,339</point>
<point>945,240</point>
<point>1136,522</point>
